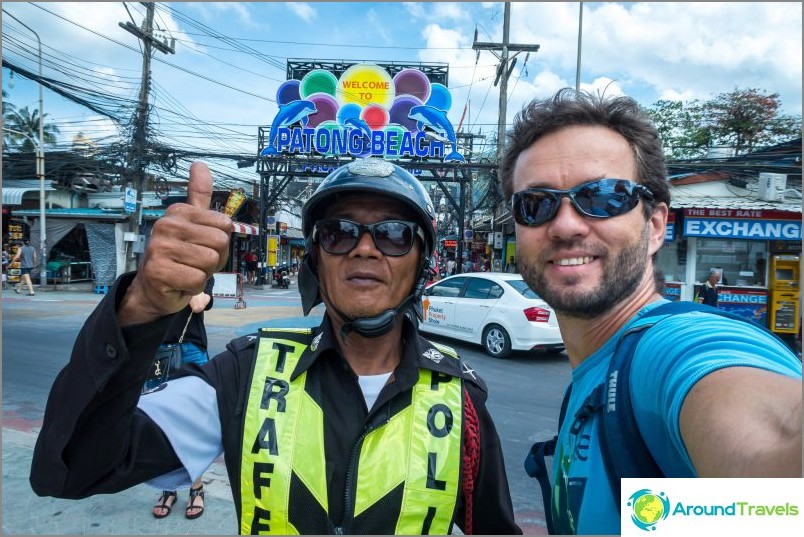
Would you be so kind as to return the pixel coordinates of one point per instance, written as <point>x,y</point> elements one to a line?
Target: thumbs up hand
<point>187,246</point>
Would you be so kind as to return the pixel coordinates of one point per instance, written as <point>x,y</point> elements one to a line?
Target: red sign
<point>450,244</point>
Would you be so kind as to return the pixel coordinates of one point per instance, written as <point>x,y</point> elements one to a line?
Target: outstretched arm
<point>93,438</point>
<point>744,422</point>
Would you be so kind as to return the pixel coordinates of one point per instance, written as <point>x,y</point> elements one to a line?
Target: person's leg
<point>195,505</point>
<point>28,283</point>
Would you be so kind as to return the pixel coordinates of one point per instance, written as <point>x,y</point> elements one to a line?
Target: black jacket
<point>94,439</point>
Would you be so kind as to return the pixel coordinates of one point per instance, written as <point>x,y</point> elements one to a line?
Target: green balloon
<point>318,81</point>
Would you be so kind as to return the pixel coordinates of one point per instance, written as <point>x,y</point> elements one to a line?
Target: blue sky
<point>218,90</point>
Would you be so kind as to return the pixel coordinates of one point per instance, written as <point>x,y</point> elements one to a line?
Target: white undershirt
<point>372,386</point>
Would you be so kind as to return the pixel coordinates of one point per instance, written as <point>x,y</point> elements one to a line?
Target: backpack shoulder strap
<point>536,466</point>
<point>624,451</point>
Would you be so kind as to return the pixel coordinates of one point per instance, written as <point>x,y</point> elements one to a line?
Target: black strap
<point>536,466</point>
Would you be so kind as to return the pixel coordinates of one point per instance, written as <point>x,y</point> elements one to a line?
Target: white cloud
<point>303,10</point>
<point>658,49</point>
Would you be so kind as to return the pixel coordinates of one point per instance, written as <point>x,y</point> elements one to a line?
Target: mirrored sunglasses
<point>604,198</point>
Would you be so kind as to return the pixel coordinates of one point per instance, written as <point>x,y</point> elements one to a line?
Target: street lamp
<point>40,167</point>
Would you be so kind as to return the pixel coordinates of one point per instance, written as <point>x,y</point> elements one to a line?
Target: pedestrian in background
<point>711,396</point>
<point>709,293</point>
<point>511,265</point>
<point>26,255</point>
<point>190,332</point>
<point>250,258</point>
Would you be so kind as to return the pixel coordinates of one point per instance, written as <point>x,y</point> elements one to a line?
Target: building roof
<point>14,190</point>
<point>723,195</point>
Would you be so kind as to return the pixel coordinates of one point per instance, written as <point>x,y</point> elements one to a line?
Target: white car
<point>497,310</point>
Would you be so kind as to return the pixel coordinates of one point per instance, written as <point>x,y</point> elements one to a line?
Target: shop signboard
<point>672,291</point>
<point>749,303</point>
<point>363,112</point>
<point>670,228</point>
<point>763,225</point>
<point>272,250</point>
<point>130,200</point>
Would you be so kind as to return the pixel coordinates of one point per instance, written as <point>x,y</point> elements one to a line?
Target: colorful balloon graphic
<point>412,82</point>
<point>375,116</point>
<point>400,110</point>
<point>288,92</point>
<point>348,111</point>
<point>439,97</point>
<point>365,84</point>
<point>318,81</point>
<point>326,106</point>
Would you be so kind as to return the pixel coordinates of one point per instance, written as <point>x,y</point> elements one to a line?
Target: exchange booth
<point>784,277</point>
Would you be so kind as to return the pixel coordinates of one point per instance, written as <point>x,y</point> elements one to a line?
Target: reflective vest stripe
<point>419,446</point>
<point>274,414</point>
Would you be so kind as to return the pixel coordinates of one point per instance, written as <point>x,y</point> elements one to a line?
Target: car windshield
<point>522,288</point>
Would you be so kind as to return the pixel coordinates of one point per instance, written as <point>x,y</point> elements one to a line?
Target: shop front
<point>744,244</point>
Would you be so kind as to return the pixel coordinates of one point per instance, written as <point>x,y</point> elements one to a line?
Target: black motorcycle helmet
<point>388,179</point>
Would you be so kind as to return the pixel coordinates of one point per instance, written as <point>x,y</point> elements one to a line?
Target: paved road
<point>525,393</point>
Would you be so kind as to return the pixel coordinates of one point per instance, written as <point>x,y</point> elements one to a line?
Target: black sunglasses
<point>391,237</point>
<point>604,198</point>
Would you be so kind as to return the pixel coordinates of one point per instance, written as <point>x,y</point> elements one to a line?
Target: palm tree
<point>7,109</point>
<point>26,121</point>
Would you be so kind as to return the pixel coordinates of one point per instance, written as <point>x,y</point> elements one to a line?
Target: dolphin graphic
<point>363,127</point>
<point>288,114</point>
<point>436,119</point>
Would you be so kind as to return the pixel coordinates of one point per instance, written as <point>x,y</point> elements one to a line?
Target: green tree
<point>7,109</point>
<point>27,122</point>
<point>679,125</point>
<point>745,119</point>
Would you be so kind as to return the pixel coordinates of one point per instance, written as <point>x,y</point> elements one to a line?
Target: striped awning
<point>245,229</point>
<point>13,195</point>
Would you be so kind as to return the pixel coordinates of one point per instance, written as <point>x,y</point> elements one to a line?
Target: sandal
<point>195,493</point>
<point>163,503</point>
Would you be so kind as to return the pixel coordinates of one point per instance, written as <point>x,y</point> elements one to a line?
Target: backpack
<point>623,448</point>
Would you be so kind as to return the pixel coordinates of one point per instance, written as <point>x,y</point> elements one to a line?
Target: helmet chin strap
<point>369,327</point>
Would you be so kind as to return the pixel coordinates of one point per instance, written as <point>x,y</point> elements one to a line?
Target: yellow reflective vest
<point>283,463</point>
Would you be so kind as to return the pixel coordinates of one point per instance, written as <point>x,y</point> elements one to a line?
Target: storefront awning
<point>245,229</point>
<point>12,195</point>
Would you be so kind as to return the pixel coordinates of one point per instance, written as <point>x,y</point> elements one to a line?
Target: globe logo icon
<point>648,508</point>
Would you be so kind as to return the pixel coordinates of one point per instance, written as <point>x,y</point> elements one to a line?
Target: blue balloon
<point>348,111</point>
<point>439,97</point>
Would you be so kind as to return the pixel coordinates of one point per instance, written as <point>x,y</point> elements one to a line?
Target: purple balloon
<point>412,82</point>
<point>288,92</point>
<point>400,110</point>
<point>327,108</point>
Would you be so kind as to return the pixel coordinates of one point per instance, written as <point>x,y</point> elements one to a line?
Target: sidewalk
<point>128,512</point>
<point>124,513</point>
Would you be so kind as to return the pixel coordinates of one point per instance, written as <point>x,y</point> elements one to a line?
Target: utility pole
<point>503,71</point>
<point>578,62</point>
<point>135,168</point>
<point>40,167</point>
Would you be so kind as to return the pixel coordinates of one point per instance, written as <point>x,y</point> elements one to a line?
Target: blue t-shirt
<point>670,358</point>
